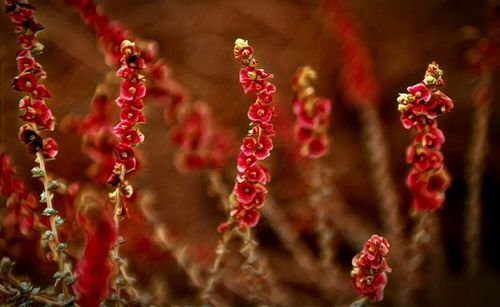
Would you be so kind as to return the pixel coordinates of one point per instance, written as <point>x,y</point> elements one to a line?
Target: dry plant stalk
<point>474,170</point>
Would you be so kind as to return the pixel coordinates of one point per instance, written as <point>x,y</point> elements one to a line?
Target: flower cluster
<point>368,275</point>
<point>250,189</point>
<point>359,82</point>
<point>20,203</point>
<point>200,144</point>
<point>132,90</point>
<point>35,112</point>
<point>313,115</point>
<point>428,178</point>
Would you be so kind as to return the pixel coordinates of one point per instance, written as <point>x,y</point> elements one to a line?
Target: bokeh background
<point>196,38</point>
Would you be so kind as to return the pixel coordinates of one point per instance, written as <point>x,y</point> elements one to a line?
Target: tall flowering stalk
<point>38,118</point>
<point>361,89</point>
<point>427,178</point>
<point>311,133</point>
<point>370,268</point>
<point>132,90</point>
<point>250,190</point>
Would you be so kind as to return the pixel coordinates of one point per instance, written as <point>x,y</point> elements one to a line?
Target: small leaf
<point>37,172</point>
<point>58,276</point>
<point>61,246</point>
<point>35,291</point>
<point>58,220</point>
<point>49,211</point>
<point>25,287</point>
<point>53,185</point>
<point>37,48</point>
<point>43,198</point>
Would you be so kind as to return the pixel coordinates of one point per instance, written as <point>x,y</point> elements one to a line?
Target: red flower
<point>317,147</point>
<point>246,218</point>
<point>254,174</point>
<point>260,113</point>
<point>124,154</point>
<point>50,148</point>
<point>132,115</point>
<point>26,82</point>
<point>130,90</point>
<point>245,161</point>
<point>245,192</point>
<point>258,200</point>
<point>132,137</point>
<point>263,147</point>
<point>421,92</point>
<point>36,111</point>
<point>122,127</point>
<point>371,286</point>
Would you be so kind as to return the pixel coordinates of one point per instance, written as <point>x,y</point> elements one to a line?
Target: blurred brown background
<point>196,39</point>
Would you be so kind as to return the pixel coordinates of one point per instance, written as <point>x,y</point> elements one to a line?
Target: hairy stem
<point>58,255</point>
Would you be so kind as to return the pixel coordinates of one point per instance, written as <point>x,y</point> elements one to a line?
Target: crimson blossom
<point>428,178</point>
<point>370,268</point>
<point>250,189</point>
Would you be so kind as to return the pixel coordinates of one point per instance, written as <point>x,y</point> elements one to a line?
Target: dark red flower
<point>245,192</point>
<point>124,154</point>
<point>30,138</point>
<point>50,148</point>
<point>26,82</point>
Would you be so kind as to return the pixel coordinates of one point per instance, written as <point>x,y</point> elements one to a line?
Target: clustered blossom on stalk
<point>201,145</point>
<point>428,178</point>
<point>94,268</point>
<point>98,137</point>
<point>370,268</point>
<point>250,189</point>
<point>132,90</point>
<point>313,115</point>
<point>21,205</point>
<point>30,74</point>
